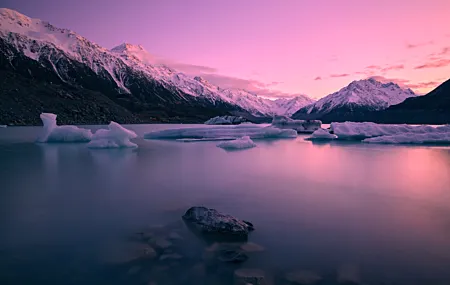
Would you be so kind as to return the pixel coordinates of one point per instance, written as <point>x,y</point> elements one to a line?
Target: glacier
<point>240,143</point>
<point>115,136</point>
<point>321,134</point>
<point>253,131</point>
<point>51,132</point>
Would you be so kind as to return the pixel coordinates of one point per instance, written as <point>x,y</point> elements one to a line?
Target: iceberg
<point>51,132</point>
<point>301,126</point>
<point>253,131</point>
<point>436,137</point>
<point>115,136</point>
<point>225,120</point>
<point>361,131</point>
<point>241,143</point>
<point>3,126</point>
<point>321,135</point>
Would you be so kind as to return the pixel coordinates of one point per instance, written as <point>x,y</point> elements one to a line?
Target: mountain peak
<point>127,47</point>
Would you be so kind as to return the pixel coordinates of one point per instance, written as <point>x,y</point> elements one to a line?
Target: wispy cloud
<point>421,85</point>
<point>392,67</point>
<point>435,63</point>
<point>318,78</point>
<point>373,67</point>
<point>339,75</point>
<point>418,87</point>
<point>445,51</point>
<point>254,86</point>
<point>417,45</point>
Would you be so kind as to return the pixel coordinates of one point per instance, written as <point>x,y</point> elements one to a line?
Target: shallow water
<point>381,211</point>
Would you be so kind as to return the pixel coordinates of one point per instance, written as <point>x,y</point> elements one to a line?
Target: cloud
<point>318,78</point>
<point>404,83</point>
<point>435,63</point>
<point>413,46</point>
<point>392,67</point>
<point>251,85</point>
<point>445,51</point>
<point>400,82</point>
<point>422,85</point>
<point>190,69</point>
<point>373,67</point>
<point>339,75</point>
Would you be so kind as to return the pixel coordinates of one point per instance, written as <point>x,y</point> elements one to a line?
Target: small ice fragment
<point>115,136</point>
<point>51,132</point>
<point>241,143</point>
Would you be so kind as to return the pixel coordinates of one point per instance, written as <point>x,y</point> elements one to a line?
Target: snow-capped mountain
<point>287,107</point>
<point>356,98</point>
<point>256,105</point>
<point>126,77</point>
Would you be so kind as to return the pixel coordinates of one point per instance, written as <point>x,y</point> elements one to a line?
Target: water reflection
<point>346,211</point>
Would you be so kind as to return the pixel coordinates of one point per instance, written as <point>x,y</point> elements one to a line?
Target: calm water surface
<point>382,211</point>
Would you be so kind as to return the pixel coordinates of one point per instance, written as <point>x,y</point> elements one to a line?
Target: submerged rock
<point>130,252</point>
<point>246,276</point>
<point>303,277</point>
<point>232,256</point>
<point>213,222</point>
<point>251,247</point>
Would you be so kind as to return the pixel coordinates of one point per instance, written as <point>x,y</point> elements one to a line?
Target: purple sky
<point>313,47</point>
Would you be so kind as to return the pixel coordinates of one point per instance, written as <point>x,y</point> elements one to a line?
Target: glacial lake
<point>347,211</point>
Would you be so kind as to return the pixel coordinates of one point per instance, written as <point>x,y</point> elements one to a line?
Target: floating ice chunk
<point>253,131</point>
<point>115,137</point>
<point>51,132</point>
<point>360,131</point>
<point>3,126</point>
<point>225,120</point>
<point>413,138</point>
<point>301,126</point>
<point>241,143</point>
<point>321,134</point>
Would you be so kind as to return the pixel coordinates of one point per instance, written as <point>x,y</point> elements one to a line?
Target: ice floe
<point>301,126</point>
<point>51,132</point>
<point>253,131</point>
<point>240,143</point>
<point>391,134</point>
<point>360,131</point>
<point>321,134</point>
<point>225,120</point>
<point>438,137</point>
<point>115,136</point>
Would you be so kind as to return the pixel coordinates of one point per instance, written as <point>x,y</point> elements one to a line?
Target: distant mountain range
<point>47,69</point>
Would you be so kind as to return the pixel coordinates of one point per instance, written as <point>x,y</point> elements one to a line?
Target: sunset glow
<point>277,48</point>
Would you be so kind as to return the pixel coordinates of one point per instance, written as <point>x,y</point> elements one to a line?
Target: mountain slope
<point>43,54</point>
<point>432,108</point>
<point>354,100</point>
<point>256,105</point>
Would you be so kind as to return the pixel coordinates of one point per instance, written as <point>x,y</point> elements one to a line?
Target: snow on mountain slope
<point>288,107</point>
<point>198,86</point>
<point>42,42</point>
<point>368,93</point>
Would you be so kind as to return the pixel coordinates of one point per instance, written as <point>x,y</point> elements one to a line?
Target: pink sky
<point>278,48</point>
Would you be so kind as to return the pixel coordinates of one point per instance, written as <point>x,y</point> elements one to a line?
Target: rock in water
<point>303,277</point>
<point>213,222</point>
<point>245,276</point>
